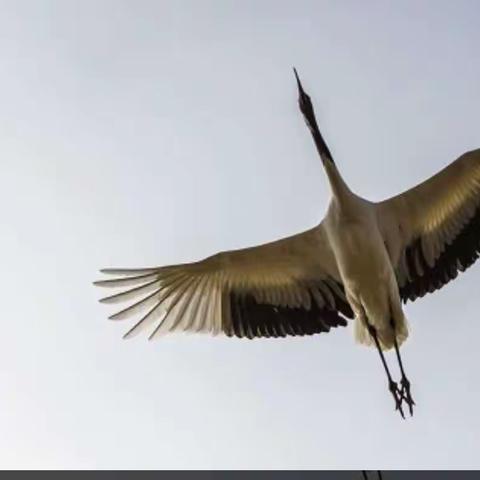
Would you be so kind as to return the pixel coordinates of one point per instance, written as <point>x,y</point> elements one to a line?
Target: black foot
<point>397,396</point>
<point>406,395</point>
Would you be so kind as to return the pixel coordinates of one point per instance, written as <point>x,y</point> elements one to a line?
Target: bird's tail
<point>385,333</point>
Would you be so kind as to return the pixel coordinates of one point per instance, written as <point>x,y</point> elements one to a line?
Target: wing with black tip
<point>287,287</point>
<point>434,228</point>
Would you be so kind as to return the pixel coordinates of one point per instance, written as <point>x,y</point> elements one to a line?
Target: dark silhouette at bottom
<point>365,475</point>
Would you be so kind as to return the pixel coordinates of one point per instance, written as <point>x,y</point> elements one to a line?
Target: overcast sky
<point>138,133</point>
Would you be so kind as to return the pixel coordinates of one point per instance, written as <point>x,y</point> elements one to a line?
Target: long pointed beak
<point>306,108</point>
<point>299,83</point>
<point>305,104</point>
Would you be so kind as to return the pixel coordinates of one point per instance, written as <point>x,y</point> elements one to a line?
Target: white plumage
<point>360,262</point>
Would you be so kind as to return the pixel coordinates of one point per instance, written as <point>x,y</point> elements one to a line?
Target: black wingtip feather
<point>252,319</point>
<point>457,256</point>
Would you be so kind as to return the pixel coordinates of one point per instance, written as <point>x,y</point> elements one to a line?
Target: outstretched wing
<point>433,230</point>
<point>287,287</point>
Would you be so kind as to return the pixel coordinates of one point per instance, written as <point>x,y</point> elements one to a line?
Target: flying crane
<point>361,262</point>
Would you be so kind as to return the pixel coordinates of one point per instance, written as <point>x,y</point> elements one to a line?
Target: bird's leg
<point>392,386</point>
<point>404,382</point>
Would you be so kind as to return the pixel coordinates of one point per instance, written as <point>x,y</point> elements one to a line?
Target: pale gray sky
<point>145,132</point>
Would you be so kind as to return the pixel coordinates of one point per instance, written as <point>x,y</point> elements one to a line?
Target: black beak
<point>300,88</point>
<point>306,108</point>
<point>305,104</point>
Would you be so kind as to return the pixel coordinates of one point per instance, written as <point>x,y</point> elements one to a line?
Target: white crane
<point>360,262</point>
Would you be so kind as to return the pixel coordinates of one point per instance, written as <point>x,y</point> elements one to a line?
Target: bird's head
<point>305,105</point>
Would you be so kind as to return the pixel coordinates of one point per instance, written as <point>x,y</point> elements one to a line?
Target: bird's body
<point>365,269</point>
<point>361,262</point>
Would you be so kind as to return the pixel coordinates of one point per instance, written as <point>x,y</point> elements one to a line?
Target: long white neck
<point>340,190</point>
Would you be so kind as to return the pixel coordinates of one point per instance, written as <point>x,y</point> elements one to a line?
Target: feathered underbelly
<point>370,283</point>
<point>362,257</point>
